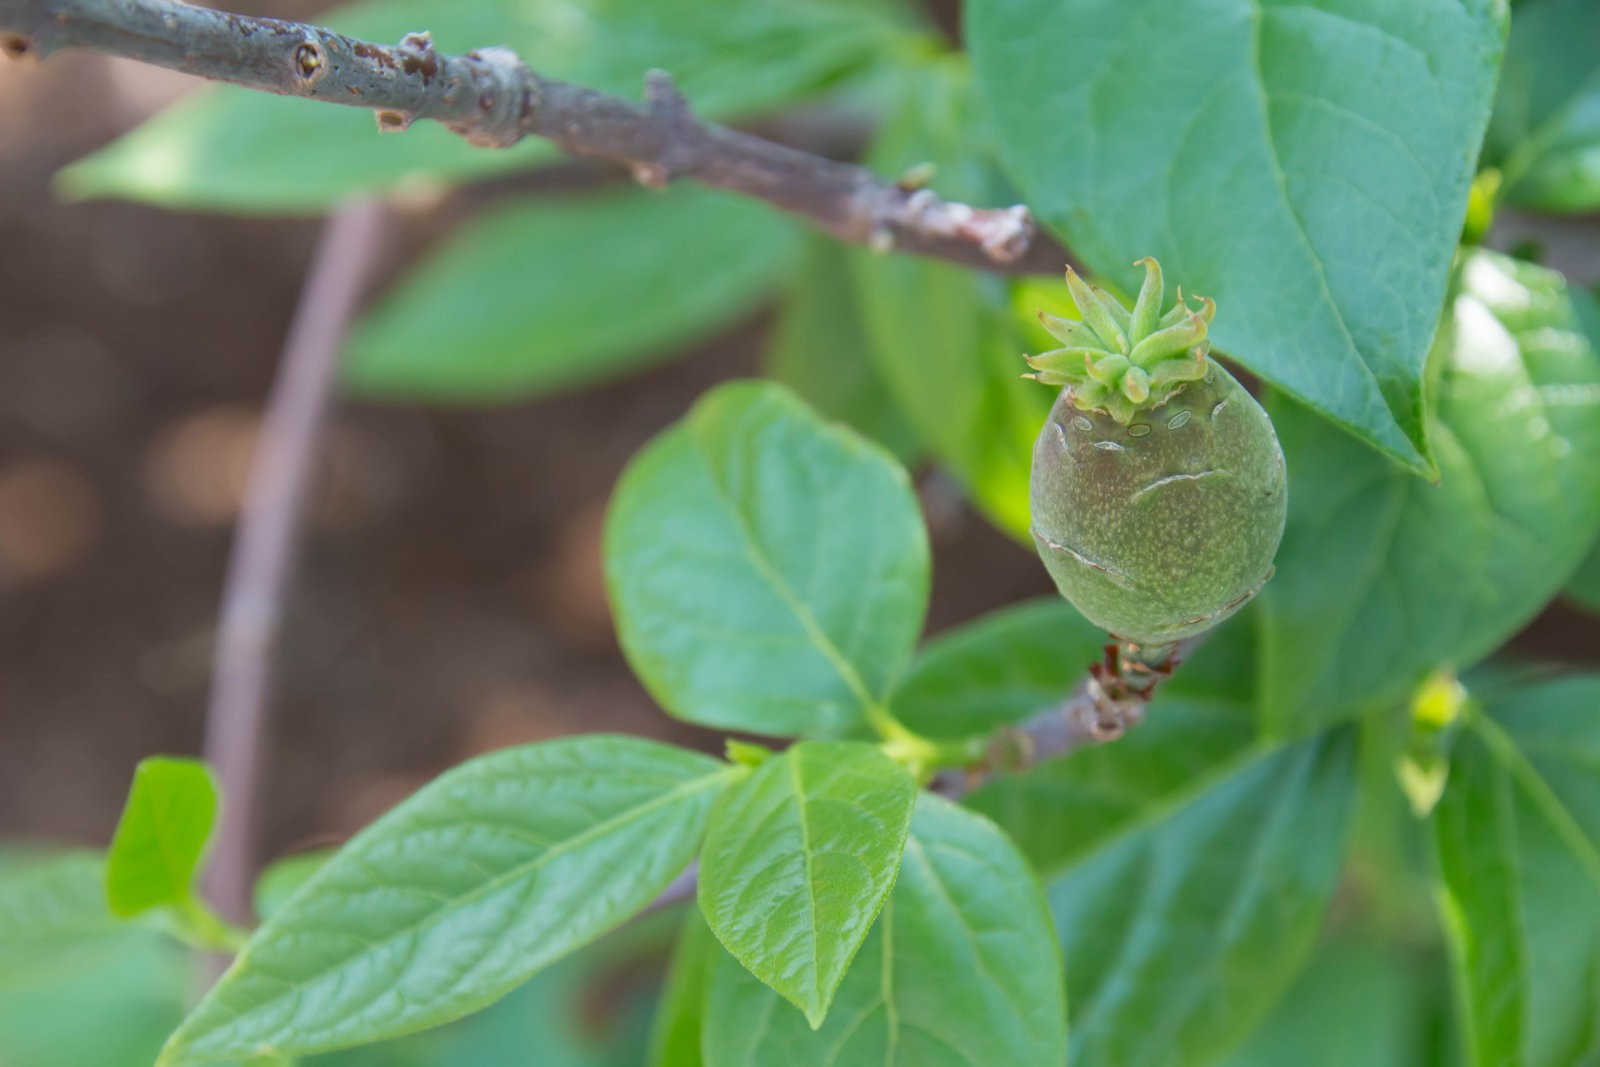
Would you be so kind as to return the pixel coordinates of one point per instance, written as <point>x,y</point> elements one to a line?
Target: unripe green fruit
<point>1157,518</point>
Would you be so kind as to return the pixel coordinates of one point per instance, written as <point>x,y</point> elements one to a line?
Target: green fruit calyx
<point>1123,362</point>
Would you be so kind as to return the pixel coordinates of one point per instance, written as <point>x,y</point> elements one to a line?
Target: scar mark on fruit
<point>1061,435</point>
<point>1115,575</point>
<point>1139,429</point>
<point>1218,409</point>
<point>1180,420</point>
<point>1169,479</point>
<point>1082,423</point>
<point>1231,606</point>
<point>1108,446</point>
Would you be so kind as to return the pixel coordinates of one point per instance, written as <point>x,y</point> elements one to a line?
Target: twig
<point>264,548</point>
<point>491,99</point>
<point>1110,700</point>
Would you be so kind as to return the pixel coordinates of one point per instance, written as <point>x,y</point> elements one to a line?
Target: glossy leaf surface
<point>459,894</point>
<point>1381,577</point>
<point>798,859</point>
<point>768,571</point>
<point>1237,144</point>
<point>960,970</point>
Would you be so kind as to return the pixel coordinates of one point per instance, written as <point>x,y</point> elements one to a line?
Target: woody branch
<point>490,98</point>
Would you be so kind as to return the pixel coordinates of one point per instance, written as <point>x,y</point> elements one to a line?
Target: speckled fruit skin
<point>1160,529</point>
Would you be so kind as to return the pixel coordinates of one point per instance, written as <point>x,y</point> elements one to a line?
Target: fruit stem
<point>1122,683</point>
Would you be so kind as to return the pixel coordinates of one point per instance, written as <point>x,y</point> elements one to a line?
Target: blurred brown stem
<point>491,99</point>
<point>262,560</point>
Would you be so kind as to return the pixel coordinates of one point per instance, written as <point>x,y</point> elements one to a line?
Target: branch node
<point>650,175</point>
<point>418,57</point>
<point>506,96</point>
<point>917,177</point>
<point>393,121</point>
<point>15,46</point>
<point>663,97</point>
<point>1010,235</point>
<point>310,63</point>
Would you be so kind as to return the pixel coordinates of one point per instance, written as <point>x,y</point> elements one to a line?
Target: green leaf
<point>1584,587</point>
<point>1187,865</point>
<point>283,878</point>
<point>675,1034</point>
<point>1518,835</point>
<point>1237,144</point>
<point>53,916</point>
<point>459,894</point>
<point>239,150</point>
<point>65,959</point>
<point>997,670</point>
<point>799,858</point>
<point>1381,577</point>
<point>821,351</point>
<point>163,830</point>
<point>535,296</point>
<point>1474,826</point>
<point>960,970</point>
<point>1358,1002</point>
<point>591,1009</point>
<point>1545,131</point>
<point>768,571</point>
<point>948,340</point>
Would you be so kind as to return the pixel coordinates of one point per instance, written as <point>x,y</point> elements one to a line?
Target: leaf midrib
<point>768,571</point>
<point>507,877</point>
<point>1541,793</point>
<point>814,994</point>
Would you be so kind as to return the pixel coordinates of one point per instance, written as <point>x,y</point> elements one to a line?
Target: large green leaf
<point>1187,865</point>
<point>1381,576</point>
<point>459,894</point>
<point>247,151</point>
<point>1358,1002</point>
<point>164,826</point>
<point>536,296</point>
<point>1545,131</point>
<point>1518,833</point>
<point>1304,162</point>
<point>798,860</point>
<point>591,1009</point>
<point>820,350</point>
<point>998,670</point>
<point>947,340</point>
<point>960,970</point>
<point>768,571</point>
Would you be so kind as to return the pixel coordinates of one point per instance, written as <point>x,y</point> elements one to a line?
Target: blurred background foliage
<point>539,318</point>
